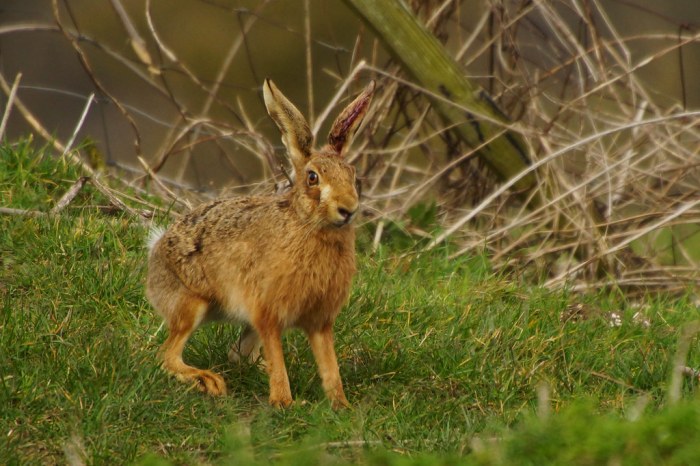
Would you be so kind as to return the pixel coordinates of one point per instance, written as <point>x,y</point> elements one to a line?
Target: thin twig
<point>10,101</point>
<point>338,95</point>
<point>218,80</point>
<point>78,126</point>
<point>138,44</point>
<point>28,213</point>
<point>69,195</point>
<point>93,76</point>
<point>34,123</point>
<point>118,203</point>
<point>161,185</point>
<point>309,63</point>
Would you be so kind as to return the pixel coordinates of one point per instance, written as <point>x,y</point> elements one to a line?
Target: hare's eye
<point>312,178</point>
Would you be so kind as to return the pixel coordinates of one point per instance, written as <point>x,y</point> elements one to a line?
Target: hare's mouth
<point>343,217</point>
<point>341,223</point>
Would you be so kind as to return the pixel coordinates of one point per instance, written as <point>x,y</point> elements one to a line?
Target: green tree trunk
<point>461,104</point>
<point>469,110</point>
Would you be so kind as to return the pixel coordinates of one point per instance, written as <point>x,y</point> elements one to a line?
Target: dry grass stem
<point>10,101</point>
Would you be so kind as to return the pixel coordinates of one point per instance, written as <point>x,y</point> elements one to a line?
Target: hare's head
<point>325,187</point>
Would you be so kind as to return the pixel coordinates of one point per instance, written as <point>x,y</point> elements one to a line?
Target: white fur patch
<point>235,308</point>
<point>154,236</point>
<point>326,191</point>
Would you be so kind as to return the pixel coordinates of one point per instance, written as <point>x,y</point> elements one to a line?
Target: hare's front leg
<point>270,333</point>
<point>321,341</point>
<point>185,320</point>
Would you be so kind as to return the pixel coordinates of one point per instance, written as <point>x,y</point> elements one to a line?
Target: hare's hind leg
<point>321,341</point>
<point>188,314</point>
<point>247,347</point>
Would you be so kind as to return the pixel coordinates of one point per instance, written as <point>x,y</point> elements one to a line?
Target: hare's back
<point>246,216</point>
<point>211,225</point>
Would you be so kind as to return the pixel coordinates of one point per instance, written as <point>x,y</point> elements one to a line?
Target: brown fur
<point>272,262</point>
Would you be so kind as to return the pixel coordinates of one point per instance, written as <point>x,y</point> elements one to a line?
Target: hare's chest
<point>324,290</point>
<point>315,291</point>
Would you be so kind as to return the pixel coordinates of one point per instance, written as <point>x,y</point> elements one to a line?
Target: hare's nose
<point>346,214</point>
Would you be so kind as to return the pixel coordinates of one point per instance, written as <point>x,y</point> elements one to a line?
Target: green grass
<point>441,359</point>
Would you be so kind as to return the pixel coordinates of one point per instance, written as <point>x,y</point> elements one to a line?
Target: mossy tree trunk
<point>476,119</point>
<point>462,105</point>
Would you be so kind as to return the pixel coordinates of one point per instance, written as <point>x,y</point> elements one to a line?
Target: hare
<point>270,262</point>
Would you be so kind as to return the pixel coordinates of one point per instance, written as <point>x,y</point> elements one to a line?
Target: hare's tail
<point>154,235</point>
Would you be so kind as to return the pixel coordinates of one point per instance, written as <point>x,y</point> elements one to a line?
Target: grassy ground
<point>445,362</point>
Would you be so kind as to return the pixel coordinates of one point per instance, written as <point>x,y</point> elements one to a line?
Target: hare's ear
<point>349,120</point>
<point>296,134</point>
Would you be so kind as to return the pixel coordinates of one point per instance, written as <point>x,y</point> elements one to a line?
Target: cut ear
<point>296,134</point>
<point>345,126</point>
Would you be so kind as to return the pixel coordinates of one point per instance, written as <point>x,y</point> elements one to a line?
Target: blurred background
<point>260,39</point>
<point>177,82</point>
<point>229,46</point>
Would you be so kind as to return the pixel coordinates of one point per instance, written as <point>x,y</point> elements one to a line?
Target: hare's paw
<point>235,356</point>
<point>210,383</point>
<point>247,348</point>
<point>340,403</point>
<point>281,401</point>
